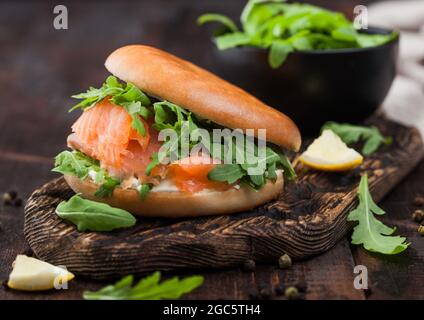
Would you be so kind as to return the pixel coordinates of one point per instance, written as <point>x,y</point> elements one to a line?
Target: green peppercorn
<point>285,262</point>
<point>292,293</point>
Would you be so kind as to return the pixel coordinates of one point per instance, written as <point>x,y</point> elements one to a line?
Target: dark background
<point>40,68</point>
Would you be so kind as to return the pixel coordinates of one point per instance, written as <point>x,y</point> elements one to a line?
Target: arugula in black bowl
<point>283,28</point>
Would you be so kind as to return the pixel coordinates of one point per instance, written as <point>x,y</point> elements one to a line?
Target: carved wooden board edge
<point>308,219</point>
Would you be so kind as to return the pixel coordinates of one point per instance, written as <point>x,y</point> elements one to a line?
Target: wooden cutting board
<point>308,219</point>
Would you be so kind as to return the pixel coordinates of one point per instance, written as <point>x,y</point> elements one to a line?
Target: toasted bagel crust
<point>180,204</point>
<point>163,75</point>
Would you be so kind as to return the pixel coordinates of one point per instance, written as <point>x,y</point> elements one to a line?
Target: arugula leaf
<point>153,163</point>
<point>234,172</point>
<point>168,115</point>
<point>148,288</point>
<point>111,87</point>
<point>75,163</point>
<point>373,40</point>
<point>144,190</point>
<point>274,24</point>
<point>131,94</point>
<point>352,134</point>
<point>213,17</point>
<point>285,163</point>
<point>347,33</point>
<point>278,53</point>
<point>135,109</point>
<point>257,12</point>
<point>89,215</point>
<point>272,171</point>
<point>257,179</point>
<point>106,189</point>
<point>229,173</point>
<point>231,40</point>
<point>78,164</point>
<point>372,233</point>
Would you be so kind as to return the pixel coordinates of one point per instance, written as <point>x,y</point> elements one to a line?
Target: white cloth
<point>405,101</point>
<point>400,14</point>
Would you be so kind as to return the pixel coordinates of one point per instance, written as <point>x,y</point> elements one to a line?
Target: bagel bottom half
<point>174,204</point>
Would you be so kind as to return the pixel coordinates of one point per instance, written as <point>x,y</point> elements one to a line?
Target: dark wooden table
<point>40,67</point>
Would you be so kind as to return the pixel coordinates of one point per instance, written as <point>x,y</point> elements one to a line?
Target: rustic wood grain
<point>308,219</point>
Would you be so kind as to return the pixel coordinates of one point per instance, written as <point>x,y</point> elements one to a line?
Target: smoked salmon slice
<point>191,175</point>
<point>104,132</point>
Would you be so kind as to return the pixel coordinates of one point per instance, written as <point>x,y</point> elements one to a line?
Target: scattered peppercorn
<point>419,201</point>
<point>285,262</point>
<point>7,199</point>
<point>418,215</point>
<point>292,293</point>
<point>421,230</point>
<point>17,202</point>
<point>249,265</point>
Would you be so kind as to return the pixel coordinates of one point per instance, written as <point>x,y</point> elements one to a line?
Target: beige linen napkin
<point>405,101</point>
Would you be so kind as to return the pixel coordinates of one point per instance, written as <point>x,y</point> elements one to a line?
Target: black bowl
<point>313,87</point>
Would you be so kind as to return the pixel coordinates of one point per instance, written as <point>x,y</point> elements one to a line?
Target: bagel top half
<point>161,74</point>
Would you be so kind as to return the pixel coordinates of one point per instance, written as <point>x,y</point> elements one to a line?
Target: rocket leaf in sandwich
<point>226,173</point>
<point>75,163</point>
<point>144,190</point>
<point>231,173</point>
<point>135,109</point>
<point>78,164</point>
<point>131,94</point>
<point>106,188</point>
<point>111,87</point>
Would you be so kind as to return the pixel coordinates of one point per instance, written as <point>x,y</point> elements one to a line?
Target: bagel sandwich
<point>151,140</point>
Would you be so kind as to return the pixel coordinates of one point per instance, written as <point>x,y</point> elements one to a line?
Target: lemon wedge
<point>30,274</point>
<point>330,153</point>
